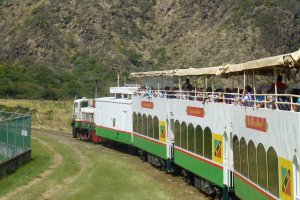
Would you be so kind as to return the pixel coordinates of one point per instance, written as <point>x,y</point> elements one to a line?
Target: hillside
<point>56,49</point>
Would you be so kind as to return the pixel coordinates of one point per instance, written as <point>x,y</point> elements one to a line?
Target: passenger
<point>247,96</point>
<point>260,99</point>
<point>199,96</point>
<point>297,107</point>
<point>208,93</point>
<point>187,86</point>
<point>228,96</point>
<point>271,101</point>
<point>281,87</point>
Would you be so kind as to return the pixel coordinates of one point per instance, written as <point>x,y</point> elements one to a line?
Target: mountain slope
<point>56,49</point>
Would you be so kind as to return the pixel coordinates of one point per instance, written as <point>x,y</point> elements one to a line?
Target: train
<point>224,145</point>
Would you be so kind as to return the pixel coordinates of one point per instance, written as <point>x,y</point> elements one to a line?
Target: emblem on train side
<point>257,123</point>
<point>217,148</point>
<point>147,104</point>
<point>286,185</point>
<point>286,182</point>
<point>195,111</point>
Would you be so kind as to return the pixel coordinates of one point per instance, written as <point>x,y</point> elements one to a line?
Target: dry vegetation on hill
<point>56,49</point>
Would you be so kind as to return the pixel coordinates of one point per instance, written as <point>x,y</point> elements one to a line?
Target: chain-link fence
<point>15,134</point>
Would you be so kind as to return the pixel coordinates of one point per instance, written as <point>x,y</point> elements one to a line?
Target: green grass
<point>113,177</point>
<point>39,163</point>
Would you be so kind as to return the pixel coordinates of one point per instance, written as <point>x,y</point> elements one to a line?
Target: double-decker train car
<point>227,144</point>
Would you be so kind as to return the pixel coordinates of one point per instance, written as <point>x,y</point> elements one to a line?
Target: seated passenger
<point>247,96</point>
<point>260,99</point>
<point>228,96</point>
<point>271,101</point>
<point>296,107</point>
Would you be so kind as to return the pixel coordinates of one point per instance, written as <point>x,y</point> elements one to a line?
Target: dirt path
<point>84,165</point>
<point>56,161</point>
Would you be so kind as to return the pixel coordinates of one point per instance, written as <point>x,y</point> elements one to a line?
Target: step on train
<point>231,134</point>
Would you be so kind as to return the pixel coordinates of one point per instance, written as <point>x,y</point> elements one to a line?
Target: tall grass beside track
<point>49,115</point>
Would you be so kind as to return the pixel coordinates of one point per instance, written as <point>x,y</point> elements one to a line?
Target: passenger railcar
<point>220,147</point>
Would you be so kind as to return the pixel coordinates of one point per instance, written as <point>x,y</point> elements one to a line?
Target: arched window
<point>244,157</point>
<point>183,135</point>
<point>145,128</point>
<point>177,133</point>
<point>156,127</point>
<point>207,143</point>
<point>199,140</point>
<point>191,138</point>
<point>140,124</point>
<point>261,166</point>
<point>150,126</point>
<point>252,161</point>
<point>134,121</point>
<point>273,185</point>
<point>236,154</point>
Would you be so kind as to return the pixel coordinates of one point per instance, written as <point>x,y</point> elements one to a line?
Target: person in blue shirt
<point>247,96</point>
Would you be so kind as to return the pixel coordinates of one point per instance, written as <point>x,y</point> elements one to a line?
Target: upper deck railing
<point>286,102</point>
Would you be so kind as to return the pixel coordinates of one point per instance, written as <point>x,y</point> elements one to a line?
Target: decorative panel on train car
<point>147,104</point>
<point>162,131</point>
<point>286,186</point>
<point>257,123</point>
<point>217,148</point>
<point>195,111</point>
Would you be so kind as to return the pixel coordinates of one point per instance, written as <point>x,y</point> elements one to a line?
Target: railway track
<point>52,132</point>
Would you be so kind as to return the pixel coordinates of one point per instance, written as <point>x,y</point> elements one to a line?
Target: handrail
<point>223,97</point>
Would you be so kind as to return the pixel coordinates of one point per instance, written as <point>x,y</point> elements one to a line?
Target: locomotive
<point>223,147</point>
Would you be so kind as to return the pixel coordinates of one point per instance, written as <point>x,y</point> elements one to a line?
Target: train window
<point>177,133</point>
<point>236,154</point>
<point>134,121</point>
<point>140,123</point>
<point>252,161</point>
<point>191,138</point>
<point>84,104</point>
<point>183,135</point>
<point>244,161</point>
<point>150,126</point>
<point>273,185</point>
<point>199,140</point>
<point>207,143</point>
<point>261,166</point>
<point>156,127</point>
<point>145,128</point>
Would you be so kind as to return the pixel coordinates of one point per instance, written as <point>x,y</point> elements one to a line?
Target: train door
<point>228,159</point>
<point>170,138</point>
<point>296,178</point>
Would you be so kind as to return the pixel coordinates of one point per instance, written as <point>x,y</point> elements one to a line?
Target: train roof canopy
<point>152,74</point>
<point>285,61</point>
<point>260,66</point>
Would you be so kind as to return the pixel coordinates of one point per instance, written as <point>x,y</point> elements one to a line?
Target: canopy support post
<point>275,86</point>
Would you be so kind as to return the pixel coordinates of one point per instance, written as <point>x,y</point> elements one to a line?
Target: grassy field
<point>49,115</point>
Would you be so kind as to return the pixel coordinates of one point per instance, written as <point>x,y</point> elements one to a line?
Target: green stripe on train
<point>199,168</point>
<point>83,125</point>
<point>114,135</point>
<point>150,146</point>
<point>245,191</point>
